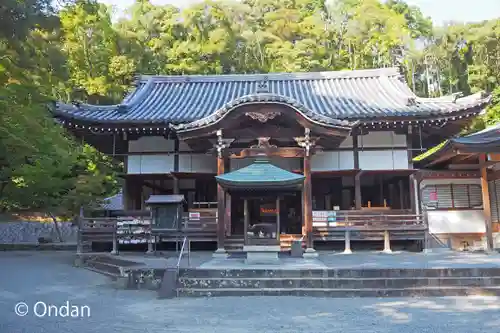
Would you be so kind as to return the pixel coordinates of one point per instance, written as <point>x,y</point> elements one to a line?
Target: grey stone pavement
<point>48,277</point>
<point>357,260</point>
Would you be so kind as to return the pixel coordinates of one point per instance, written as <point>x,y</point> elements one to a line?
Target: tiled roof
<point>260,174</point>
<point>322,96</point>
<point>165,199</point>
<point>485,141</point>
<point>113,203</point>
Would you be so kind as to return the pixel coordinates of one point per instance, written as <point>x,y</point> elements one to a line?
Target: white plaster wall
<point>383,160</point>
<point>382,139</point>
<point>151,144</point>
<point>332,160</point>
<point>456,222</point>
<point>149,164</point>
<point>197,163</point>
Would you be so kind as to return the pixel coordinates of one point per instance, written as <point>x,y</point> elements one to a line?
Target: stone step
<point>113,276</point>
<point>326,292</point>
<point>339,273</point>
<point>104,267</point>
<point>335,283</point>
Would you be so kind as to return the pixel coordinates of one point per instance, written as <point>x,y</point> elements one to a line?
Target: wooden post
<point>278,218</point>
<point>307,197</point>
<point>221,197</point>
<point>347,249</point>
<point>486,203</point>
<point>381,193</point>
<point>401,194</point>
<point>357,192</point>
<point>227,215</point>
<point>412,194</point>
<point>246,218</point>
<point>387,242</point>
<point>357,178</point>
<point>79,240</point>
<point>221,208</point>
<point>176,189</point>
<point>115,241</point>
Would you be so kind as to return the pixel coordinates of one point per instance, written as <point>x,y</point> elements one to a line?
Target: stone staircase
<point>339,282</point>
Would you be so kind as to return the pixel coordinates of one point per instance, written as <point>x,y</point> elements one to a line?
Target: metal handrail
<point>184,242</point>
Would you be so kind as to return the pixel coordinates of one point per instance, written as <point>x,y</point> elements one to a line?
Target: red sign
<point>433,196</point>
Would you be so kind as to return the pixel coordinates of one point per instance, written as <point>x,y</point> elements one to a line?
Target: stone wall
<point>30,232</point>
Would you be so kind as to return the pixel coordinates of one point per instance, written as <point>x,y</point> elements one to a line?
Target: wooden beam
<point>289,152</point>
<point>486,203</point>
<point>471,166</point>
<point>494,157</point>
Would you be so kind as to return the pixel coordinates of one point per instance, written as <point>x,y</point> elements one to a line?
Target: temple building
<point>262,159</point>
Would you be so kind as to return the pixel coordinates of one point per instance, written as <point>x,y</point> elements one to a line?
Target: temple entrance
<point>270,214</point>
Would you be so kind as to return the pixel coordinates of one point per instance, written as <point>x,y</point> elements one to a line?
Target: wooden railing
<point>342,225</point>
<point>370,225</point>
<point>97,230</point>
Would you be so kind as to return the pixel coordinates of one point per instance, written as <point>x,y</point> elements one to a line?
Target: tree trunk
<point>56,226</point>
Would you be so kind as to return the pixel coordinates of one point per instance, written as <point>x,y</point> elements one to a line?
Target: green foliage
<point>41,167</point>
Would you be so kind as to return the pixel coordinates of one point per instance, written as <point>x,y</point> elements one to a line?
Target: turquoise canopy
<point>260,175</point>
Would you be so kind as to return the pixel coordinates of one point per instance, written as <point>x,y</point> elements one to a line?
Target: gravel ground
<point>49,279</point>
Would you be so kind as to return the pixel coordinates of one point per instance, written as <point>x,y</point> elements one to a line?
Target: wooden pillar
<point>357,178</point>
<point>114,251</point>
<point>387,242</point>
<point>347,249</point>
<point>221,207</point>
<point>381,188</point>
<point>401,194</point>
<point>176,189</point>
<point>246,218</point>
<point>307,201</point>
<point>278,227</point>
<point>358,200</point>
<point>227,215</point>
<point>486,203</point>
<point>79,241</point>
<point>412,187</point>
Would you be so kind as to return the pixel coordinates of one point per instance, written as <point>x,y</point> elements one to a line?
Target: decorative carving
<point>306,141</point>
<point>263,116</point>
<point>263,86</point>
<point>263,143</point>
<point>222,143</point>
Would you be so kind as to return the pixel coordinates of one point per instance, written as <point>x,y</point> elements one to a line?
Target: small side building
<point>460,190</point>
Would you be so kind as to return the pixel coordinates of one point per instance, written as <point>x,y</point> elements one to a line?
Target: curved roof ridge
<point>138,94</point>
<point>344,74</point>
<point>220,113</point>
<point>456,98</point>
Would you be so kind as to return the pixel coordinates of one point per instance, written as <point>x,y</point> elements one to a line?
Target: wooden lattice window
<point>452,196</point>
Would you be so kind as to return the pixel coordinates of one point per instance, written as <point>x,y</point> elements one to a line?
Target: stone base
<point>310,253</point>
<point>259,254</point>
<point>219,253</point>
